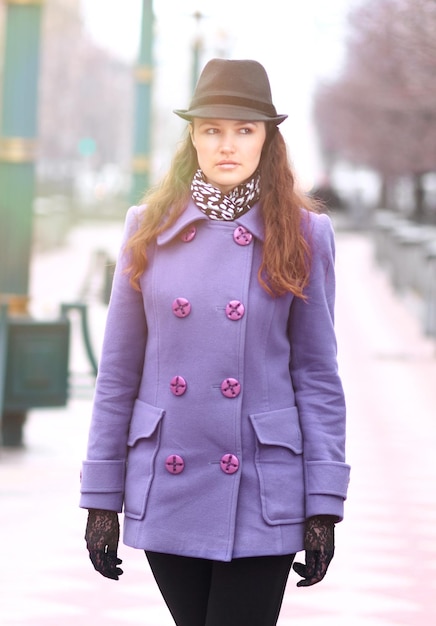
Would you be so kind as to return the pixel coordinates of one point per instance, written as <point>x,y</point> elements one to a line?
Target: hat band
<point>264,107</point>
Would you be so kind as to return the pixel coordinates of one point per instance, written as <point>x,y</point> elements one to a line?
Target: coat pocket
<point>143,444</point>
<point>279,465</point>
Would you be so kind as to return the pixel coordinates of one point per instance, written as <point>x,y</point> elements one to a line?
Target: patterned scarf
<point>218,206</point>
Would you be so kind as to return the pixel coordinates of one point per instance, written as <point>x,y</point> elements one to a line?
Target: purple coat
<point>219,415</point>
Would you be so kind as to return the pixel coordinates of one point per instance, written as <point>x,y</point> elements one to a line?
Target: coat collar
<point>252,221</point>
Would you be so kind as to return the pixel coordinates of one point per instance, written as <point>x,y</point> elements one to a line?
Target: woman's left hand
<point>319,544</point>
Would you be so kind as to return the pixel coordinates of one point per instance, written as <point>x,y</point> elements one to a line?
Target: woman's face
<point>228,151</point>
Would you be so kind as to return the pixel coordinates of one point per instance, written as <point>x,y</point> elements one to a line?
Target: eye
<point>211,130</point>
<point>247,129</point>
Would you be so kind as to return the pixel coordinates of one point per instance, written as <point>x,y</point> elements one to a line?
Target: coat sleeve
<point>119,375</point>
<point>314,371</point>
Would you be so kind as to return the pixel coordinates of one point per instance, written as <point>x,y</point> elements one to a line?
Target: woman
<point>219,416</point>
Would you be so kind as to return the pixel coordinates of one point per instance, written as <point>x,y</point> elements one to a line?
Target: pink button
<point>242,236</point>
<point>230,388</point>
<point>178,385</point>
<point>188,234</point>
<point>181,307</point>
<point>174,464</point>
<point>235,310</point>
<point>229,463</point>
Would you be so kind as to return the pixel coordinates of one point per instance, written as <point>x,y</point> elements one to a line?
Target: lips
<point>227,163</point>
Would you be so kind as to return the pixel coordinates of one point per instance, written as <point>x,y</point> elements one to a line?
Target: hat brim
<point>228,112</point>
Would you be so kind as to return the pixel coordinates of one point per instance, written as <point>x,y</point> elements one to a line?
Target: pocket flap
<point>145,419</point>
<point>279,428</point>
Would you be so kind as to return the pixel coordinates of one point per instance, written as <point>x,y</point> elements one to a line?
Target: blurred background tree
<point>380,113</point>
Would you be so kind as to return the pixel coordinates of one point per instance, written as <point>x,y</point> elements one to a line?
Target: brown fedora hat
<point>233,90</point>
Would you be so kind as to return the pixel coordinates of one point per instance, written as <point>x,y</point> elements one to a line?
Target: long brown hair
<point>286,253</point>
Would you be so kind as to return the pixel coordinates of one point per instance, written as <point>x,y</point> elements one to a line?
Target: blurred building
<point>85,111</point>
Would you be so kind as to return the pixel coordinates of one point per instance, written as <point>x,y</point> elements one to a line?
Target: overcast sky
<point>298,42</point>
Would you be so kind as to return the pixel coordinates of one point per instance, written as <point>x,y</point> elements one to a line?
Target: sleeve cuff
<point>102,485</point>
<point>326,488</point>
<point>327,478</point>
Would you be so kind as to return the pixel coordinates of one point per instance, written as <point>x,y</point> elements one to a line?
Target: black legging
<point>200,592</point>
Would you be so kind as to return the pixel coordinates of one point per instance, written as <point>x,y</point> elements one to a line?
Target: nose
<point>227,145</point>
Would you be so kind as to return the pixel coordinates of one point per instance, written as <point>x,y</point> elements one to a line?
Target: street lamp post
<point>143,112</point>
<point>18,124</point>
<point>18,147</point>
<point>196,50</point>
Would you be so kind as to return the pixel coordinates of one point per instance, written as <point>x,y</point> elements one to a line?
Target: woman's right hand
<point>102,536</point>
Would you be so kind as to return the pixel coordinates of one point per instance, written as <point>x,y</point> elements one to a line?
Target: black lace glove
<point>319,544</point>
<point>102,536</point>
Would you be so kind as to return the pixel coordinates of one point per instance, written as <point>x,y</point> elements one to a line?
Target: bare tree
<point>381,112</point>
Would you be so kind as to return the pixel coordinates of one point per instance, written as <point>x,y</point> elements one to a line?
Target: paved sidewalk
<point>384,571</point>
